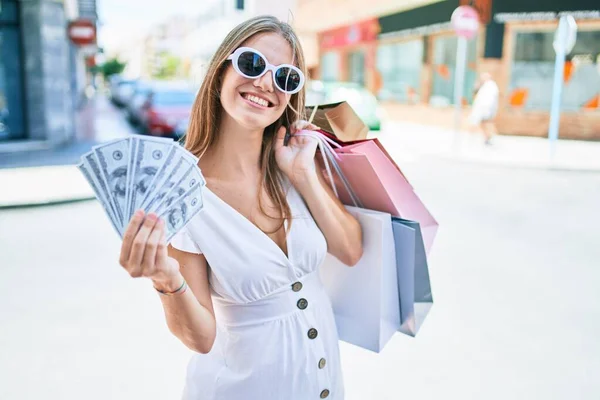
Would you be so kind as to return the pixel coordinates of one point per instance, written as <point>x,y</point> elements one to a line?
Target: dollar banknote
<point>182,211</point>
<point>92,179</point>
<point>153,174</point>
<point>191,177</point>
<point>92,162</point>
<point>169,179</point>
<point>149,156</point>
<point>113,158</point>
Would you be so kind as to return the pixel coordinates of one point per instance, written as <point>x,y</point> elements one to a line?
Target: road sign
<point>82,32</point>
<point>567,36</point>
<point>465,21</point>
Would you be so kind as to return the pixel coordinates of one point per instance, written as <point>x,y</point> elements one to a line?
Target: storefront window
<point>532,73</point>
<point>11,101</point>
<point>400,66</point>
<point>444,65</point>
<point>356,67</point>
<point>330,66</point>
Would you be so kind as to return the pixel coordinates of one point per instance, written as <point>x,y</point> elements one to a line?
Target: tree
<point>112,66</point>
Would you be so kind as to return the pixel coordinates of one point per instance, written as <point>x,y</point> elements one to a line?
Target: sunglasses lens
<point>287,79</point>
<point>251,64</point>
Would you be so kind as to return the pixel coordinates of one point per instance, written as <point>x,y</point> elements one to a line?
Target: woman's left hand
<point>297,159</point>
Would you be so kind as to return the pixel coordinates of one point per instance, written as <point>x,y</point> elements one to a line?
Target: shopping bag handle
<point>331,157</point>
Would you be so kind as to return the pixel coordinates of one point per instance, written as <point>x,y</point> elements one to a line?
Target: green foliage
<point>111,67</point>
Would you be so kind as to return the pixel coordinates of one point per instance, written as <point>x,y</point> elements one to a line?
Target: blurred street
<point>513,269</point>
<point>491,109</point>
<point>98,121</point>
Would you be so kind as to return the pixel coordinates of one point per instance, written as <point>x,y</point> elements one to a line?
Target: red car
<point>166,107</point>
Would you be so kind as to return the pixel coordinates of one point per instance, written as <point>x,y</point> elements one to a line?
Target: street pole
<point>563,43</point>
<point>459,79</point>
<point>559,68</point>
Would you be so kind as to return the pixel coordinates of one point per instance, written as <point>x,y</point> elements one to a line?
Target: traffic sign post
<point>82,32</point>
<point>465,22</point>
<point>564,40</point>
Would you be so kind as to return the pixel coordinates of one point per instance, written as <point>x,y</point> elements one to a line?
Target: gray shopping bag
<point>414,287</point>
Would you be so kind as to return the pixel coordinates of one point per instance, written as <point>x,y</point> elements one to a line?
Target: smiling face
<point>257,103</point>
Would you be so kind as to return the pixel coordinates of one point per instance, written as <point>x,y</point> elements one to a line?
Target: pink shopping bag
<point>380,185</point>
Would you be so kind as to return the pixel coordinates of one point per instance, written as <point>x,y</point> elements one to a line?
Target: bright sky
<point>124,20</point>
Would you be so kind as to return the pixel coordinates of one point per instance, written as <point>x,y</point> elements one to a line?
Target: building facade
<point>212,27</point>
<point>407,58</point>
<point>42,74</point>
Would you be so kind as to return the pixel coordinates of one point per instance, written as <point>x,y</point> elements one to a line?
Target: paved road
<point>514,272</point>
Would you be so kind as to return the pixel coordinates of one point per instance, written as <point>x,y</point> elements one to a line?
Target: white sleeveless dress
<point>276,334</point>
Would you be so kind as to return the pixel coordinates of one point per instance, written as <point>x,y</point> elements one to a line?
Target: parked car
<point>134,106</point>
<point>121,91</point>
<point>167,105</point>
<point>360,99</point>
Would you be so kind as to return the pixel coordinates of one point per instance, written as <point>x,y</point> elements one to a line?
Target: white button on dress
<point>276,334</point>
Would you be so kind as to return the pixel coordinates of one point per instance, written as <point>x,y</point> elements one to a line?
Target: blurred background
<point>515,269</point>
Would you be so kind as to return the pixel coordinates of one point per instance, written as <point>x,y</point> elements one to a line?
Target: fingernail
<point>152,217</point>
<point>139,213</point>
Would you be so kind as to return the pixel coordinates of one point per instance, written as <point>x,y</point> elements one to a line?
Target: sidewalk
<point>408,142</point>
<point>48,175</point>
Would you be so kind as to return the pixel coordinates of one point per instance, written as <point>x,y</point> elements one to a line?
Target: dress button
<point>302,304</point>
<point>325,394</point>
<point>322,363</point>
<point>296,287</point>
<point>312,333</point>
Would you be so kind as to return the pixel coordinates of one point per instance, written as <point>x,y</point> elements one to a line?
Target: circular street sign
<point>82,32</point>
<point>465,21</point>
<point>565,35</point>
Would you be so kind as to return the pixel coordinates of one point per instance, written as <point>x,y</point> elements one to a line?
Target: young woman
<point>256,314</point>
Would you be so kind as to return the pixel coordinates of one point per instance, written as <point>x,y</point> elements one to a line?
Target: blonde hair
<point>206,111</point>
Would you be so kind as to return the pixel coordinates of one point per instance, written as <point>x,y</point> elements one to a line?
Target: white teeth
<point>257,100</point>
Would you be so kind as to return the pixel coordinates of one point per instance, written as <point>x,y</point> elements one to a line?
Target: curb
<point>43,186</point>
<point>57,202</point>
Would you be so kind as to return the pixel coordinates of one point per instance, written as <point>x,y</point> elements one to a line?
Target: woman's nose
<point>265,82</point>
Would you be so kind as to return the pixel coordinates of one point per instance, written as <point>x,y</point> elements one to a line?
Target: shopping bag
<point>414,286</point>
<point>379,184</point>
<point>339,119</point>
<point>365,297</point>
<point>377,180</point>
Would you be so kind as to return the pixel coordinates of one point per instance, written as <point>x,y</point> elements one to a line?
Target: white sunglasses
<point>251,64</point>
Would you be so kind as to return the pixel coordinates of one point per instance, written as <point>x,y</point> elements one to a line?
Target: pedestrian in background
<point>485,107</point>
<point>257,314</point>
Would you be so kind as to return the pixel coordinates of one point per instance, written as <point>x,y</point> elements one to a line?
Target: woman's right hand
<point>144,252</point>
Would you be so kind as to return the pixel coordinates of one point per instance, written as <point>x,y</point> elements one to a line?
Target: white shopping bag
<point>365,297</point>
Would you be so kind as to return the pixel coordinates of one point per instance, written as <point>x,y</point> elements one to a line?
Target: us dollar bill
<point>176,160</point>
<point>86,170</point>
<point>190,178</point>
<point>92,162</point>
<point>182,211</point>
<point>148,158</point>
<point>132,147</point>
<point>113,159</point>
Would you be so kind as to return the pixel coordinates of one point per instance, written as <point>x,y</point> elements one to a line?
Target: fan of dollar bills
<point>141,172</point>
